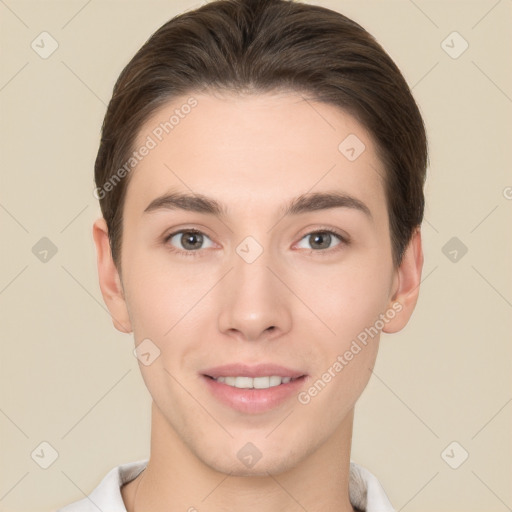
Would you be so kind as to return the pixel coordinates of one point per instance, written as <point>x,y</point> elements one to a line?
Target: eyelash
<point>344,241</point>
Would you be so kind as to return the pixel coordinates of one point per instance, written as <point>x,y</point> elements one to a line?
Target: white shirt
<point>365,491</point>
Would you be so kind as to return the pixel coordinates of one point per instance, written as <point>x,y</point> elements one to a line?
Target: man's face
<point>257,287</point>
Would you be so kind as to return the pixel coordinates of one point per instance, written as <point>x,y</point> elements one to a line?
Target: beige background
<point>69,379</point>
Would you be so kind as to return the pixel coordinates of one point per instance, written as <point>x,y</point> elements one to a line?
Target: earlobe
<point>408,280</point>
<point>109,280</point>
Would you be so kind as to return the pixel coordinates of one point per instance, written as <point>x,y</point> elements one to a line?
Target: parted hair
<point>260,46</point>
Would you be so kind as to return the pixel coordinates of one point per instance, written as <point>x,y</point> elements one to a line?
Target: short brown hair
<point>261,46</point>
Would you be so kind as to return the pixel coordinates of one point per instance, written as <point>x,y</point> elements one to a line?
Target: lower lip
<point>253,401</point>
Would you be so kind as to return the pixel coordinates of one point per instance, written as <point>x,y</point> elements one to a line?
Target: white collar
<point>365,491</point>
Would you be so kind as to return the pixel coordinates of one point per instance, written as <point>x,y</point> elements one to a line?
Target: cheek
<point>333,393</point>
<point>351,305</point>
<point>160,295</point>
<point>148,303</point>
<point>349,299</point>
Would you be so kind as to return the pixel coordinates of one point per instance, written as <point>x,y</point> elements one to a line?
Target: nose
<point>255,305</point>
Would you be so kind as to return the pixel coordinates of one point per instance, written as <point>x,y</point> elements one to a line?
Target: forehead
<point>254,149</point>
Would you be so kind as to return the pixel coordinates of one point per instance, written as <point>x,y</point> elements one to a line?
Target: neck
<point>175,479</point>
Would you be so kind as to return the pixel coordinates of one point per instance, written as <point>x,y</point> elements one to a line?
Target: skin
<point>254,154</point>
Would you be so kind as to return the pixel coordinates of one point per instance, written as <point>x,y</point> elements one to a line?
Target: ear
<point>406,284</point>
<point>110,282</point>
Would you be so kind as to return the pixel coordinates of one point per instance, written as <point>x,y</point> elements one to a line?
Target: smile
<point>253,382</point>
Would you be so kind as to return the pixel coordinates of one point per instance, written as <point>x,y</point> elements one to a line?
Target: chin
<point>273,463</point>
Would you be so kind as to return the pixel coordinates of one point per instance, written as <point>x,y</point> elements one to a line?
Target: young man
<point>261,177</point>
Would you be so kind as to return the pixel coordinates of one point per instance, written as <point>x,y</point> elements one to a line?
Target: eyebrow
<point>302,204</point>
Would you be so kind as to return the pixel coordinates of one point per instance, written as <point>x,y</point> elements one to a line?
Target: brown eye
<point>188,240</point>
<point>321,240</point>
<point>191,240</point>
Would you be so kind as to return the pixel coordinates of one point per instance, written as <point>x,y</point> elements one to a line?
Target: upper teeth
<point>256,382</point>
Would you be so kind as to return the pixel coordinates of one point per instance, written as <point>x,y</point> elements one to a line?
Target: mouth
<point>253,389</point>
<point>264,382</point>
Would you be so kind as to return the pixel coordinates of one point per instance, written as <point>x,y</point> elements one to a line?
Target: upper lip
<point>259,370</point>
